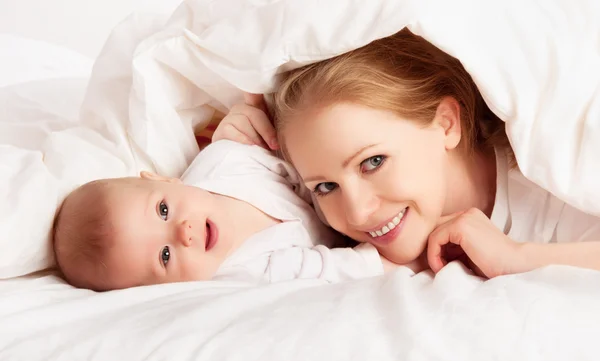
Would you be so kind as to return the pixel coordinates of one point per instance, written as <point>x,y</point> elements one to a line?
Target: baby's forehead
<point>126,181</point>
<point>114,186</point>
<point>128,205</point>
<point>113,200</point>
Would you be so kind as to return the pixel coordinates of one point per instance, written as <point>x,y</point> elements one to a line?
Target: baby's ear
<point>156,177</point>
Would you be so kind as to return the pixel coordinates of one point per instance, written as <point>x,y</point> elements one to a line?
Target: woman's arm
<point>491,253</point>
<point>579,254</point>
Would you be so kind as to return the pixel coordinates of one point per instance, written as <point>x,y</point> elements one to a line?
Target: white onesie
<point>296,248</point>
<point>528,213</point>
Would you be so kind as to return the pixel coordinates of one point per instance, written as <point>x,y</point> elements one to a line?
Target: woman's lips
<point>389,237</point>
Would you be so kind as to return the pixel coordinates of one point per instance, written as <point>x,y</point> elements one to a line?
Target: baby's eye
<point>324,188</point>
<point>372,163</point>
<point>165,255</point>
<point>163,210</point>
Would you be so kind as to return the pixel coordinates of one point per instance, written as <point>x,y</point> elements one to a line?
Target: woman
<point>400,150</point>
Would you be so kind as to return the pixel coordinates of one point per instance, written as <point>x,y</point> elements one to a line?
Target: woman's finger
<point>259,122</point>
<point>237,123</point>
<point>240,120</point>
<point>231,132</point>
<point>451,252</point>
<point>255,100</point>
<point>435,245</point>
<point>438,239</point>
<point>258,101</point>
<point>441,237</point>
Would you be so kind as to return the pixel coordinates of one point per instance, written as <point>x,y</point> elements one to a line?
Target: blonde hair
<point>404,74</point>
<point>82,233</point>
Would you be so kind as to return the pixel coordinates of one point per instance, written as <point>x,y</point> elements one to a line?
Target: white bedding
<point>152,84</point>
<point>550,314</point>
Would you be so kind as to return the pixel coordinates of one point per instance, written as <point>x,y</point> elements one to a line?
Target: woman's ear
<point>156,177</point>
<point>447,117</point>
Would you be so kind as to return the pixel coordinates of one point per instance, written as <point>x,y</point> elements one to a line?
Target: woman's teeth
<point>388,227</point>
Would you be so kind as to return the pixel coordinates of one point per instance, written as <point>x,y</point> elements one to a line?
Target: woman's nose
<point>184,233</point>
<point>359,204</point>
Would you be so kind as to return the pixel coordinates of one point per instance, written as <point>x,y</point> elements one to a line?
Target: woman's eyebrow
<point>344,164</point>
<point>312,179</point>
<point>359,152</point>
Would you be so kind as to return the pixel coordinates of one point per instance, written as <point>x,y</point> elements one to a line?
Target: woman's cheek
<point>330,212</point>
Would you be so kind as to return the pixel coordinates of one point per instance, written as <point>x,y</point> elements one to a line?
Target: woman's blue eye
<point>163,210</point>
<point>324,188</point>
<point>372,163</point>
<point>165,255</point>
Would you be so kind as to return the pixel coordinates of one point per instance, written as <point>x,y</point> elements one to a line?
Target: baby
<point>238,213</point>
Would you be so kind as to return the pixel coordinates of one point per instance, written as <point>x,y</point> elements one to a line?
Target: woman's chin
<point>405,257</point>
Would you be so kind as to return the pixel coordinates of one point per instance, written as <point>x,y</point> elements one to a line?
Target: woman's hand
<point>488,251</point>
<point>248,123</point>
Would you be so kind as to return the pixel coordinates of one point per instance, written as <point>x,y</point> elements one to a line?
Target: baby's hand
<point>248,124</point>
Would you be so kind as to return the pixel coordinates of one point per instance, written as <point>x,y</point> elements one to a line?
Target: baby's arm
<point>332,265</point>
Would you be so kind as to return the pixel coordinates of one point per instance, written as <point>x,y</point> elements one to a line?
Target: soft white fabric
<point>24,60</point>
<point>41,88</point>
<point>528,213</point>
<point>80,25</point>
<point>535,62</point>
<point>292,249</point>
<point>547,315</point>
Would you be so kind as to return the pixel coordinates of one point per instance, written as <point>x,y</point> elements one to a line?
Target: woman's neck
<point>472,182</point>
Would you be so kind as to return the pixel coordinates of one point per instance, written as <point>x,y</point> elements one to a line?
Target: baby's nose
<point>184,233</point>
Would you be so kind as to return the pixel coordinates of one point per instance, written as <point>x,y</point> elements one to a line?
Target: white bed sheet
<point>549,314</point>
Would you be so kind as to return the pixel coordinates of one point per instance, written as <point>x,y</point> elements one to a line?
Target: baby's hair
<point>82,233</point>
<point>404,74</point>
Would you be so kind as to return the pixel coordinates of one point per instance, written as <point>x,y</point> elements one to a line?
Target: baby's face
<point>165,232</point>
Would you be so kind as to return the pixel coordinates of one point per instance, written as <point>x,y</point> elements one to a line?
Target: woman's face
<point>377,178</point>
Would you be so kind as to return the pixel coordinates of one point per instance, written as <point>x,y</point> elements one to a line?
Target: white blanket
<point>535,61</point>
<point>550,314</point>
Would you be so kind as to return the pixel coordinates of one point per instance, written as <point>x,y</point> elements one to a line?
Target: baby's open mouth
<point>211,236</point>
<point>207,241</point>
